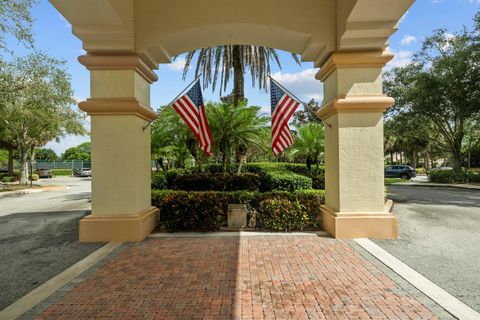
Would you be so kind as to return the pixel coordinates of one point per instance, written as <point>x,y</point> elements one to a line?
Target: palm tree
<point>235,128</point>
<point>237,58</point>
<point>172,139</point>
<point>309,143</point>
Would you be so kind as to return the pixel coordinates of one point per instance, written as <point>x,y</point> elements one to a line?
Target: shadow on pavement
<point>435,196</point>
<point>35,247</point>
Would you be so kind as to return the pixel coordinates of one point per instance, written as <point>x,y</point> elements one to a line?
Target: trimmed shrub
<point>62,172</point>
<point>274,176</point>
<point>318,181</point>
<point>214,182</point>
<point>301,168</point>
<point>191,212</point>
<point>473,177</point>
<point>420,170</point>
<point>169,203</point>
<point>447,176</point>
<point>159,181</point>
<point>6,179</point>
<point>244,181</point>
<point>474,170</point>
<point>286,181</point>
<point>282,215</point>
<point>35,177</point>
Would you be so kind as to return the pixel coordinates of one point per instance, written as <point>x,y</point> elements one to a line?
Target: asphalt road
<point>439,237</point>
<point>39,236</point>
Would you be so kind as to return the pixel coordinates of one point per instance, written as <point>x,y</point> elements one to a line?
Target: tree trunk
<point>414,159</point>
<point>238,76</point>
<point>241,157</point>
<point>308,162</point>
<point>23,158</point>
<point>10,161</point>
<point>391,158</point>
<point>243,160</point>
<point>224,161</point>
<point>427,159</point>
<point>457,159</point>
<point>32,154</point>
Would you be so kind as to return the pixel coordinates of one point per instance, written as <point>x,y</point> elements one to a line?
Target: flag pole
<point>304,104</point>
<point>175,99</point>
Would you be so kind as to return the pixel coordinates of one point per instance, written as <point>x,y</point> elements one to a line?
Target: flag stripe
<point>286,117</point>
<point>283,107</point>
<point>191,123</point>
<point>191,109</point>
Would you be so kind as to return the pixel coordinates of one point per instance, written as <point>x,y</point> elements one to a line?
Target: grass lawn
<point>393,180</point>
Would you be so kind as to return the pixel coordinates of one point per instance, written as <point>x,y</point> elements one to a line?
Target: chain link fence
<point>71,164</point>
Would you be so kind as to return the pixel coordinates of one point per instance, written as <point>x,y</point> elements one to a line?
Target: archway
<point>127,39</point>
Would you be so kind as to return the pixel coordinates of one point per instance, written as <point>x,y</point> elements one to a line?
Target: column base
<point>377,225</point>
<point>119,228</point>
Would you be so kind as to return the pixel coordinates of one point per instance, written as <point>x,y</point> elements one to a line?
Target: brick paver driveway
<point>252,277</point>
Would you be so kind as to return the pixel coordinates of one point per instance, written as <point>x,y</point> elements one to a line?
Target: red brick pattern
<point>264,277</point>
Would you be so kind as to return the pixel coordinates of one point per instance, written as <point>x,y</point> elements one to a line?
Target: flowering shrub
<point>282,215</point>
<point>180,210</point>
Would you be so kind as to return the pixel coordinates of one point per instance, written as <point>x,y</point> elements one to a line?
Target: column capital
<point>117,106</point>
<point>355,104</point>
<point>119,62</point>
<point>344,59</point>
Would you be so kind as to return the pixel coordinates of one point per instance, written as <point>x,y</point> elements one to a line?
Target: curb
<point>19,193</point>
<point>440,185</point>
<point>447,301</point>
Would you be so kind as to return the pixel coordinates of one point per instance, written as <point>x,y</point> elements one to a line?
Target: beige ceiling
<point>160,29</point>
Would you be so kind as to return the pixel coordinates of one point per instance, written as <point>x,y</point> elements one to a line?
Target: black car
<point>400,171</point>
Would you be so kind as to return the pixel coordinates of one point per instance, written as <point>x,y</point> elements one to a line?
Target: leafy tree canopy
<point>16,20</point>
<point>80,152</point>
<point>440,87</point>
<point>45,154</point>
<point>39,109</point>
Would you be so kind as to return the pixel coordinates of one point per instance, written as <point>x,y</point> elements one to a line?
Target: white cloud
<point>401,59</point>
<point>407,39</point>
<point>302,84</point>
<point>177,65</point>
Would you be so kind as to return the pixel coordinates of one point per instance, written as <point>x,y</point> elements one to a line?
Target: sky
<point>53,36</point>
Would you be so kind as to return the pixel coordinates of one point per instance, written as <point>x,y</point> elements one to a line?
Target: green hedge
<point>277,176</point>
<point>207,211</point>
<point>282,215</point>
<point>264,177</point>
<point>420,170</point>
<point>159,181</point>
<point>473,177</point>
<point>62,172</point>
<point>6,179</point>
<point>216,182</point>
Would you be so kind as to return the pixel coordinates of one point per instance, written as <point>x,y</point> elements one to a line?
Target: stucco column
<point>353,110</point>
<point>121,165</point>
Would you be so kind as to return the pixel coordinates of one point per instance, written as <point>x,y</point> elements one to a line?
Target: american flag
<point>283,107</point>
<point>191,109</point>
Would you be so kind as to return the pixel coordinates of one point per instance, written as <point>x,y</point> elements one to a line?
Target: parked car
<point>400,171</point>
<point>84,172</point>
<point>44,173</point>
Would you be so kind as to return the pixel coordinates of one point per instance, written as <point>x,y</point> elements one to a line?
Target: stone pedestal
<point>237,216</point>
